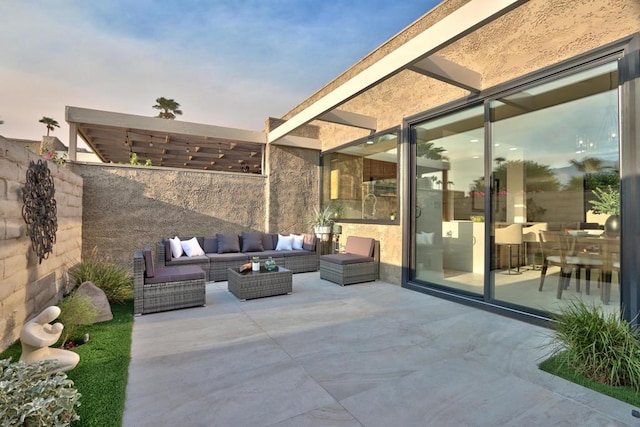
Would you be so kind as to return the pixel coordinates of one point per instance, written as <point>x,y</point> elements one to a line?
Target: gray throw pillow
<point>252,242</point>
<point>210,245</point>
<point>228,243</point>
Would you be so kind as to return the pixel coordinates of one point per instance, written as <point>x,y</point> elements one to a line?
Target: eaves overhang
<point>418,54</point>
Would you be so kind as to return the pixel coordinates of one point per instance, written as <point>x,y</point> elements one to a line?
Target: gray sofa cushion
<point>347,259</point>
<point>167,250</point>
<point>228,243</point>
<point>297,252</point>
<point>252,242</point>
<point>269,241</point>
<point>210,245</point>
<point>231,256</point>
<point>186,260</point>
<point>148,261</point>
<point>176,274</point>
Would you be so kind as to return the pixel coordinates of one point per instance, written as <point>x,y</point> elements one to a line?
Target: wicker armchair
<point>165,288</point>
<point>359,263</point>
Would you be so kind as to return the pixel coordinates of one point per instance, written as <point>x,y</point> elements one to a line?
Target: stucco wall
<point>27,286</point>
<point>126,206</point>
<point>537,34</point>
<point>293,188</point>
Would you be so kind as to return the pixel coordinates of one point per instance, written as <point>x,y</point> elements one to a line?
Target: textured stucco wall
<point>126,207</point>
<point>536,34</point>
<point>293,188</point>
<point>27,286</point>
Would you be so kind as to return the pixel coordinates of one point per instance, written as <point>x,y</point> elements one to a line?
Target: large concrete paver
<point>370,354</point>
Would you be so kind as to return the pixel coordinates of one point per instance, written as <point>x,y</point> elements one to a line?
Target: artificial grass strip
<point>101,376</point>
<point>556,365</point>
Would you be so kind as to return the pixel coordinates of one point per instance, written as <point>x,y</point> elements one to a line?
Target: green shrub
<point>76,310</point>
<point>31,395</point>
<point>115,281</point>
<point>599,346</point>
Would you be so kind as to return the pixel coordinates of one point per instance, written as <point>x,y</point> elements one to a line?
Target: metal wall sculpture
<point>39,209</point>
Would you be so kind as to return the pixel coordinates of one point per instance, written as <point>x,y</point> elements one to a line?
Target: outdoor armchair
<point>165,288</point>
<point>359,263</point>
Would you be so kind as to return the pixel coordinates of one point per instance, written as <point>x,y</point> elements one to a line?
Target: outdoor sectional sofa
<point>223,251</point>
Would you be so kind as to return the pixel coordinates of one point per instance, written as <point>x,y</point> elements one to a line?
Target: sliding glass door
<point>449,227</point>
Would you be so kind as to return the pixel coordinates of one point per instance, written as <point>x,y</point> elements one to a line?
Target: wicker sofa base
<point>173,296</point>
<point>257,285</point>
<point>302,263</point>
<point>348,274</point>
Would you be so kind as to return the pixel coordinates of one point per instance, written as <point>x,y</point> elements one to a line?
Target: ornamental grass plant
<point>599,346</point>
<point>115,281</point>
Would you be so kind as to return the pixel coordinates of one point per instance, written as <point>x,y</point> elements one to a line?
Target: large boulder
<point>99,300</point>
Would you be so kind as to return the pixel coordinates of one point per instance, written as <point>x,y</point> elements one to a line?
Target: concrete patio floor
<point>371,354</point>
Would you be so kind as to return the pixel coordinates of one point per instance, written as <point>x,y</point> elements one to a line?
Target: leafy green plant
<point>338,210</point>
<point>599,346</point>
<point>76,310</point>
<point>31,395</point>
<point>115,281</point>
<point>322,216</point>
<point>607,201</point>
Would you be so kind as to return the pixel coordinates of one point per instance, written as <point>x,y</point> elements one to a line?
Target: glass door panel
<point>555,149</point>
<point>449,227</point>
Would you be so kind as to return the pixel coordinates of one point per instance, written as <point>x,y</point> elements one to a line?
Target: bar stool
<point>509,236</point>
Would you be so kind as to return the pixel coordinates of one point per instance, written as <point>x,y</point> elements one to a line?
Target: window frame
<point>397,130</point>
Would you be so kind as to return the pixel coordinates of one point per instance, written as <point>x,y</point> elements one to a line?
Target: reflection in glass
<point>449,209</point>
<point>554,150</point>
<point>360,180</point>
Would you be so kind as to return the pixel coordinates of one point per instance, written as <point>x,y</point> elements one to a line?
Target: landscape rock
<point>99,300</point>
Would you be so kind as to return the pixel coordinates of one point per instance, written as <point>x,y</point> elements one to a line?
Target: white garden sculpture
<point>37,335</point>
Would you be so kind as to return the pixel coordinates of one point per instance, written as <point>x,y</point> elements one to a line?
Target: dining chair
<point>559,249</point>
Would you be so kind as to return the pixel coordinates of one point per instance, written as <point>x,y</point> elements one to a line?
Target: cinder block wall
<point>26,286</point>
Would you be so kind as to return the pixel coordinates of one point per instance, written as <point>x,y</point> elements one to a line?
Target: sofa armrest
<point>138,282</point>
<point>160,254</point>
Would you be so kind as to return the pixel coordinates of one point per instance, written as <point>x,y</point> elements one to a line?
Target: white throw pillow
<point>284,243</point>
<point>424,238</point>
<point>298,240</point>
<point>429,238</point>
<point>192,247</point>
<point>176,247</point>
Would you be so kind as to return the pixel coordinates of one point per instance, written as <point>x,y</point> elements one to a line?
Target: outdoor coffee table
<point>257,284</point>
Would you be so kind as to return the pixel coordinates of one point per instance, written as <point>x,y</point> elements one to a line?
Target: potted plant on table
<point>608,202</point>
<point>322,222</point>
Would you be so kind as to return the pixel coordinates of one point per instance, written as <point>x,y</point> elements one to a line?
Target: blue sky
<point>227,63</point>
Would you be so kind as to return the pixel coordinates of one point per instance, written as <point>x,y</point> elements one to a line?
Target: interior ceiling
<point>115,144</point>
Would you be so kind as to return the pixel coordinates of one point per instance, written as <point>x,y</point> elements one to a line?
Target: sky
<point>227,63</point>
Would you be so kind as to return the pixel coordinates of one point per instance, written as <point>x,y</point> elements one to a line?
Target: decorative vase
<point>270,264</point>
<point>255,264</point>
<point>323,232</point>
<point>612,226</point>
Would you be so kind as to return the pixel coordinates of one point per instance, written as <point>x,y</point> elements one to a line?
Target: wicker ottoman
<point>254,284</point>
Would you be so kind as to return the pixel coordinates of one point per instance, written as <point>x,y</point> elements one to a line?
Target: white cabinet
<point>463,246</point>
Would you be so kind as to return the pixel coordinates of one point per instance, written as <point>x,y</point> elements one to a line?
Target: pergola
<point>114,137</point>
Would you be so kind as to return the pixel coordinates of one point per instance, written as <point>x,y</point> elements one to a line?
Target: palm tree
<point>168,108</point>
<point>50,123</point>
<point>589,164</point>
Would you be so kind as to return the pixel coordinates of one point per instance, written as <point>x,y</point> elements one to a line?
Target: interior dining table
<point>606,248</point>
